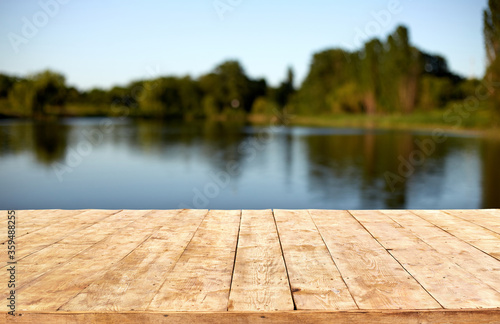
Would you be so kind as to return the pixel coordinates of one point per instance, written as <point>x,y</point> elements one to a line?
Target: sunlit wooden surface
<point>314,266</point>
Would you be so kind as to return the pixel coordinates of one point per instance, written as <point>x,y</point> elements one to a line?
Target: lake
<point>139,164</point>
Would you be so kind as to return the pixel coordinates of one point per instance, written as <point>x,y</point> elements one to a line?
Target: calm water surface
<point>117,164</point>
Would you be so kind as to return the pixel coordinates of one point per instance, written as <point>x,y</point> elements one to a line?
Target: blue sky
<point>104,43</point>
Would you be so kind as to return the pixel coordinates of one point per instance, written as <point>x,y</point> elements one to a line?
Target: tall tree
<point>49,90</point>
<point>403,69</point>
<point>228,88</point>
<point>6,83</point>
<point>492,41</point>
<point>285,90</point>
<point>21,98</point>
<point>370,74</point>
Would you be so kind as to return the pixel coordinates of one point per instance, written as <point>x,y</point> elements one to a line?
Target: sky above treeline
<point>97,43</point>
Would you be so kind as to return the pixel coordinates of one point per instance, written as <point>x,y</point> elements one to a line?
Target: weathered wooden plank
<point>53,256</point>
<point>483,316</point>
<point>374,278</point>
<point>476,235</point>
<point>100,266</point>
<point>28,221</point>
<point>260,281</point>
<point>70,222</point>
<point>24,225</point>
<point>476,262</point>
<point>485,218</point>
<point>103,228</point>
<point>314,278</point>
<point>55,288</point>
<point>40,263</point>
<point>38,219</point>
<point>133,281</point>
<point>201,278</point>
<point>449,284</point>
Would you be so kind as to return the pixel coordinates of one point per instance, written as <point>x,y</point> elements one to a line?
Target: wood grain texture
<point>449,284</point>
<point>52,290</point>
<point>486,218</point>
<point>478,236</point>
<point>201,278</point>
<point>314,278</point>
<point>133,281</point>
<point>63,224</point>
<point>260,281</point>
<point>375,279</point>
<point>28,221</point>
<point>479,264</point>
<point>199,266</point>
<point>35,264</point>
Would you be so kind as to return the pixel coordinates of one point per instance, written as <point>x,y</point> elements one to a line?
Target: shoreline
<point>387,122</point>
<point>384,122</point>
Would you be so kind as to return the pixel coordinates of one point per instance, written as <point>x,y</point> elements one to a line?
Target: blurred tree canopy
<point>491,21</point>
<point>382,77</point>
<point>35,95</point>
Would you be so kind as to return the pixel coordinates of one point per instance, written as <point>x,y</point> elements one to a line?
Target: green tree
<point>229,89</point>
<point>49,90</point>
<point>435,92</point>
<point>6,83</point>
<point>96,96</point>
<point>190,97</point>
<point>371,74</point>
<point>20,98</point>
<point>171,97</point>
<point>402,71</point>
<point>285,90</point>
<point>161,98</point>
<point>382,77</point>
<point>265,106</point>
<point>491,19</point>
<point>329,71</point>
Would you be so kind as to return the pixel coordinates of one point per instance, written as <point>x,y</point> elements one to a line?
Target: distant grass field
<point>457,118</point>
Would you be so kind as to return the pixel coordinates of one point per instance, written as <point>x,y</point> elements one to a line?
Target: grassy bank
<point>453,119</point>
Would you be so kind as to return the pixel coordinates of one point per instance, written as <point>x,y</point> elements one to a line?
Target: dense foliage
<point>492,42</point>
<point>389,76</point>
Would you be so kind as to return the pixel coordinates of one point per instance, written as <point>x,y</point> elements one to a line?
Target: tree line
<point>383,77</point>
